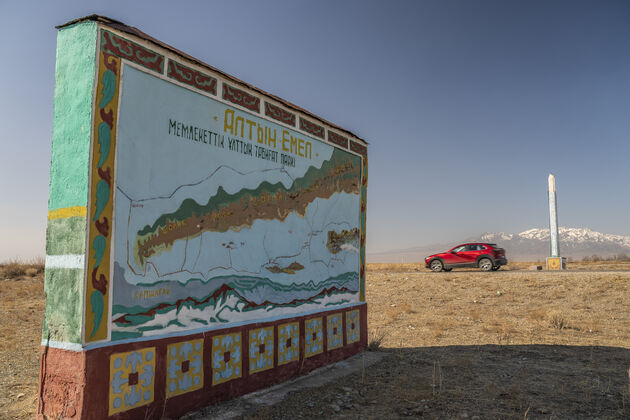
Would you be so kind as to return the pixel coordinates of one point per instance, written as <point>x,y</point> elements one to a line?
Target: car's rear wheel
<point>485,264</point>
<point>436,265</point>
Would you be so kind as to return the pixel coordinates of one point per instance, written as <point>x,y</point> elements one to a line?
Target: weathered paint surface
<point>69,171</point>
<point>66,212</point>
<point>62,318</point>
<point>65,236</point>
<point>74,84</point>
<point>364,178</point>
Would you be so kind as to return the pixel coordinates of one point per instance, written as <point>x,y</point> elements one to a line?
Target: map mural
<point>222,217</point>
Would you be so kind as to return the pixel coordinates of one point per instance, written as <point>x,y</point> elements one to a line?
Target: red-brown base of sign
<point>78,384</point>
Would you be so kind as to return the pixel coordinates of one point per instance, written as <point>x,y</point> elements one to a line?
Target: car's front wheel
<point>485,264</point>
<point>436,265</point>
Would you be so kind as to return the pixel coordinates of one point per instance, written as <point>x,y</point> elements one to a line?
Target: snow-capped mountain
<point>574,242</point>
<point>529,245</point>
<point>573,235</point>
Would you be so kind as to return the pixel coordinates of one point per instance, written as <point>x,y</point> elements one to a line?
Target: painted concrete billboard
<point>205,239</point>
<point>224,216</point>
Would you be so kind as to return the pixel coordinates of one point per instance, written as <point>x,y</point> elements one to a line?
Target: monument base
<point>171,376</point>
<point>556,263</point>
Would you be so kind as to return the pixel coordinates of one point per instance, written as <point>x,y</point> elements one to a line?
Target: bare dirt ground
<point>508,344</point>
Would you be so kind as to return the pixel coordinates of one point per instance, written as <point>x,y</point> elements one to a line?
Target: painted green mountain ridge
<point>190,207</point>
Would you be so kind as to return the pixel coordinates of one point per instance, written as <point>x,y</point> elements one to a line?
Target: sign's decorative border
<point>279,114</point>
<point>123,48</point>
<point>192,77</point>
<point>337,139</point>
<point>358,148</point>
<point>314,129</point>
<point>101,200</point>
<point>240,97</point>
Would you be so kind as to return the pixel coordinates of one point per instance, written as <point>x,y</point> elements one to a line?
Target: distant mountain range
<point>530,245</point>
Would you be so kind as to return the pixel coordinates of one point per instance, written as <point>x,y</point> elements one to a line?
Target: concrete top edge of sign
<point>115,24</point>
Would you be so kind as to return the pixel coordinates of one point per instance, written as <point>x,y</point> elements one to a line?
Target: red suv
<point>484,256</point>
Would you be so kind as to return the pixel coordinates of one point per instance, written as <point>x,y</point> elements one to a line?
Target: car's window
<point>473,248</point>
<point>482,247</point>
<point>460,248</point>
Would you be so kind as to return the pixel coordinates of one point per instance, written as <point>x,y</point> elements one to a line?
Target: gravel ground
<point>473,382</point>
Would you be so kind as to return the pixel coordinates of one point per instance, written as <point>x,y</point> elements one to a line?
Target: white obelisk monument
<point>554,262</point>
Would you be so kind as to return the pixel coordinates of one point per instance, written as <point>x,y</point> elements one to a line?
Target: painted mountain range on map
<point>231,299</point>
<point>223,211</point>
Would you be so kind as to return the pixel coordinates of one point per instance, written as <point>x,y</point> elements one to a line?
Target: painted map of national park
<point>228,237</point>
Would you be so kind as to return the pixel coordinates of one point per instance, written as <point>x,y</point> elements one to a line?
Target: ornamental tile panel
<point>358,148</point>
<point>240,97</point>
<point>353,330</point>
<point>123,48</point>
<point>184,365</point>
<point>334,329</point>
<point>279,114</point>
<point>288,343</point>
<point>314,129</point>
<point>261,343</point>
<point>192,77</point>
<point>314,337</point>
<point>226,358</point>
<point>131,379</point>
<point>337,139</point>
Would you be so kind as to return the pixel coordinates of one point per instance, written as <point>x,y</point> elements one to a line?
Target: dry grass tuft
<point>557,320</point>
<point>537,315</point>
<point>406,308</point>
<point>31,271</point>
<point>437,379</point>
<point>13,269</point>
<point>375,339</point>
<point>442,326</point>
<point>475,315</point>
<point>393,314</point>
<point>17,268</point>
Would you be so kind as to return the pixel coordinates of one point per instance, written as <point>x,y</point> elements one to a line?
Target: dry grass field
<point>22,311</point>
<point>514,343</point>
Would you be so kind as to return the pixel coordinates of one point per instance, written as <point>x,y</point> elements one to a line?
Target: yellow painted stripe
<point>67,212</point>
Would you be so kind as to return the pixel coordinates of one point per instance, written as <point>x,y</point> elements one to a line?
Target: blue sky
<point>467,105</point>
